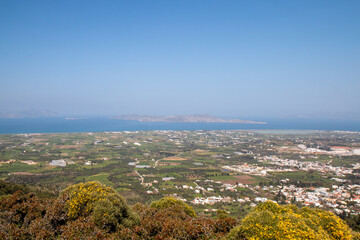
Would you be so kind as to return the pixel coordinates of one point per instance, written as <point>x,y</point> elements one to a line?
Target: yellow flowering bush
<point>82,197</point>
<point>107,207</point>
<point>329,222</point>
<point>272,221</point>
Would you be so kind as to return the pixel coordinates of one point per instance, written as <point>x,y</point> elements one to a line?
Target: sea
<point>103,124</point>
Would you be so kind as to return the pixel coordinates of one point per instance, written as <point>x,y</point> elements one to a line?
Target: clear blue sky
<point>248,59</point>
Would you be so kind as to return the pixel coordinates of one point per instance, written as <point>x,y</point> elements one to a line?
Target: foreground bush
<point>272,221</point>
<point>106,206</point>
<point>169,219</point>
<point>22,217</point>
<point>170,201</point>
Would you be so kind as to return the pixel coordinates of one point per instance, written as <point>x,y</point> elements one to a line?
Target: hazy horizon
<point>241,59</point>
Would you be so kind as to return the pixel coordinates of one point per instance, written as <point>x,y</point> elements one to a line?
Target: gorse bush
<point>106,206</point>
<point>81,198</point>
<point>272,221</point>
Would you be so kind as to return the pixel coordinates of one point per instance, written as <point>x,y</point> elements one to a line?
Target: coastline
<point>62,125</point>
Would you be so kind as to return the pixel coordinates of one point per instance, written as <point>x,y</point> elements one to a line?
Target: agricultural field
<point>208,169</point>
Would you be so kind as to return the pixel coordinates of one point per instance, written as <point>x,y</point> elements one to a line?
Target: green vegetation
<point>303,179</point>
<point>93,211</point>
<point>170,201</point>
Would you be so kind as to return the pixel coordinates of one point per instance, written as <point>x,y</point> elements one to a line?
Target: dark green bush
<point>170,201</point>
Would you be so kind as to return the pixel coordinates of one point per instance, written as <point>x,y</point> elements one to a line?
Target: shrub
<point>334,226</point>
<point>170,201</point>
<point>21,208</point>
<point>56,213</point>
<point>224,222</point>
<point>169,223</point>
<point>107,207</point>
<point>21,217</point>
<point>272,221</point>
<point>82,229</point>
<point>7,188</point>
<point>356,235</point>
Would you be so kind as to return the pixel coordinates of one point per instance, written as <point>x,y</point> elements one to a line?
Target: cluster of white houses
<point>339,199</point>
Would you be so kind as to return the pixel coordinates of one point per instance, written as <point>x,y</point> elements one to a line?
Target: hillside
<point>93,211</point>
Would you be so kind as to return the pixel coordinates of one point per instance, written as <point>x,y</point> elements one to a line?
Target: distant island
<point>183,118</point>
<point>29,113</point>
<point>72,118</point>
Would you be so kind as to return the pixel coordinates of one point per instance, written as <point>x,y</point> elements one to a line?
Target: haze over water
<point>56,125</point>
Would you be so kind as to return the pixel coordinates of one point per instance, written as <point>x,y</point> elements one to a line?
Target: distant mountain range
<point>183,118</point>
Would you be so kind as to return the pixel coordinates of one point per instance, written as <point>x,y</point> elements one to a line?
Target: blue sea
<point>60,125</point>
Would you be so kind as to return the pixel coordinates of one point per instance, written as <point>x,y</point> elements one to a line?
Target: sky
<point>246,59</point>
